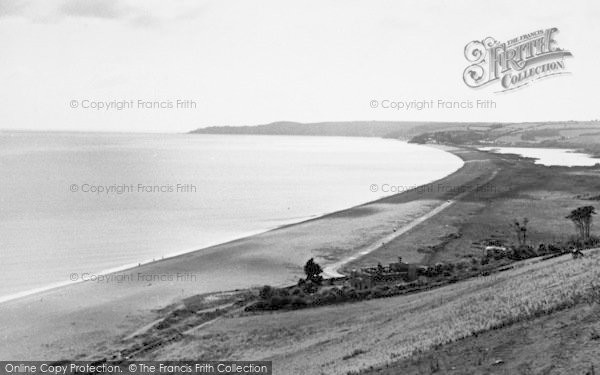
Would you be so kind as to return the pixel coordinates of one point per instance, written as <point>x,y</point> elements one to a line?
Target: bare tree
<point>521,231</point>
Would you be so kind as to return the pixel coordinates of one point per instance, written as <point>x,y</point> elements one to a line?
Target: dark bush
<point>259,305</point>
<point>351,294</point>
<point>266,292</point>
<point>298,302</point>
<point>324,298</point>
<point>554,249</point>
<point>277,302</point>
<point>310,287</point>
<point>379,291</point>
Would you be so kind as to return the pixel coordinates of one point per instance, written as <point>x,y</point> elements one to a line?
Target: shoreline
<point>111,310</point>
<point>332,270</point>
<point>243,236</point>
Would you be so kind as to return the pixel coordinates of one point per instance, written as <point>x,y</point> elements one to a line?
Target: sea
<point>88,203</point>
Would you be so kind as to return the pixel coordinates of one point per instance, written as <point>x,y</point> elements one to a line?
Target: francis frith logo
<point>514,63</point>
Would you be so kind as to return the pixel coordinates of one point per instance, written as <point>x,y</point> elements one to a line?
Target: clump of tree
<point>523,249</point>
<point>271,298</point>
<point>582,217</point>
<point>313,272</point>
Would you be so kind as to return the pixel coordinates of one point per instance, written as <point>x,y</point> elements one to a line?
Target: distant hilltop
<point>382,129</point>
<point>579,135</point>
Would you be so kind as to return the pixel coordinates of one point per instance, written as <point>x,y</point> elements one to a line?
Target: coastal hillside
<point>478,314</point>
<point>581,135</point>
<point>384,129</point>
<point>376,334</point>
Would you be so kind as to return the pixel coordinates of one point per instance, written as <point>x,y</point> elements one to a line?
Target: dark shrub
<point>326,297</point>
<point>351,294</point>
<point>364,294</point>
<point>310,287</point>
<point>277,302</point>
<point>462,265</point>
<point>338,293</point>
<point>266,292</point>
<point>554,249</point>
<point>379,291</point>
<point>298,302</point>
<point>259,305</point>
<point>422,270</point>
<point>499,255</point>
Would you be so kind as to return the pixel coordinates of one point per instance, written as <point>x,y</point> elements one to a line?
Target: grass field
<point>544,195</point>
<point>580,135</point>
<point>355,336</point>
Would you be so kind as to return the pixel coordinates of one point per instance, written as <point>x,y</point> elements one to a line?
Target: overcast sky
<point>252,62</point>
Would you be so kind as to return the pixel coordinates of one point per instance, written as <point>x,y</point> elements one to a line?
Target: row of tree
<point>582,217</point>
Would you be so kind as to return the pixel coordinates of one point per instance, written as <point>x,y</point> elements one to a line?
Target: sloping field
<point>563,343</point>
<point>354,336</point>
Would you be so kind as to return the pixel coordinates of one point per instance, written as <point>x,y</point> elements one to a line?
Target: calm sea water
<point>80,202</point>
<point>549,156</point>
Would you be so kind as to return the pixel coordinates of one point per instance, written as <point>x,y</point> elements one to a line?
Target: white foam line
<point>60,284</point>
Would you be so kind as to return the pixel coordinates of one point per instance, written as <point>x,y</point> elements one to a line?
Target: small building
<point>360,281</point>
<point>368,277</point>
<point>409,270</point>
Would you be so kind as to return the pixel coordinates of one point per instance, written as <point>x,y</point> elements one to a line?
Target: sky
<point>254,62</point>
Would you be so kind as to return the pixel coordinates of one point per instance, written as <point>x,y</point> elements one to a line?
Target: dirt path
<point>332,270</point>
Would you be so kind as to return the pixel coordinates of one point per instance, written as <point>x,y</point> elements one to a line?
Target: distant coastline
<point>582,136</point>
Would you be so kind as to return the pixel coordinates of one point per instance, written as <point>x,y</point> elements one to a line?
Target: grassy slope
<point>583,136</point>
<point>566,342</point>
<point>356,336</point>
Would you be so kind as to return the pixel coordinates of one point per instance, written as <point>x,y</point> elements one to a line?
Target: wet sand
<point>81,319</point>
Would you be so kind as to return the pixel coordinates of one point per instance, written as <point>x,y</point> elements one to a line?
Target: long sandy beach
<point>81,319</point>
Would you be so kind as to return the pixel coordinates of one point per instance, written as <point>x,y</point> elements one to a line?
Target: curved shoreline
<point>111,310</point>
<point>243,236</point>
